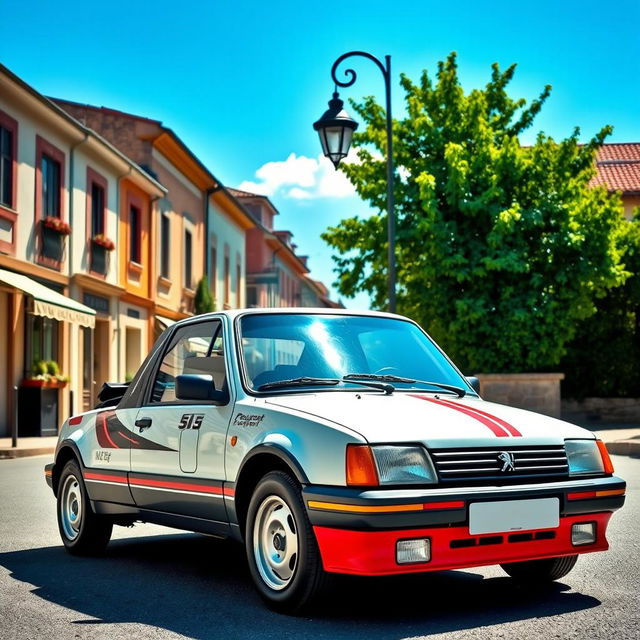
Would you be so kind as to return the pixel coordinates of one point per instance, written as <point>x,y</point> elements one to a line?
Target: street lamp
<point>336,128</point>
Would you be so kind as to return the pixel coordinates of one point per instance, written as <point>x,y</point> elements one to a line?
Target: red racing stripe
<point>105,477</point>
<point>503,423</point>
<point>495,428</point>
<point>105,431</point>
<point>183,486</point>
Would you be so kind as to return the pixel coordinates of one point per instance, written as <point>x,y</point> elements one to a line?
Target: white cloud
<point>301,178</point>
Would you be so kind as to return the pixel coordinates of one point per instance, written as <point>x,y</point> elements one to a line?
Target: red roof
<point>618,167</point>
<point>243,194</point>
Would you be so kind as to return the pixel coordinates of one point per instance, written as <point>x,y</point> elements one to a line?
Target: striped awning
<point>50,303</point>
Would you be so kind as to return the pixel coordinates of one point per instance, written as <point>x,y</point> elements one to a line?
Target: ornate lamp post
<point>336,128</point>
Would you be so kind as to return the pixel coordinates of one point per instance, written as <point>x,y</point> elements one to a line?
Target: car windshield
<point>317,347</point>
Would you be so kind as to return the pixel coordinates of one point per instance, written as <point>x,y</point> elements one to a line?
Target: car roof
<point>235,313</point>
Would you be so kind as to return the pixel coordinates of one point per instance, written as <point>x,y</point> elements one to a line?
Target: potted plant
<point>54,231</point>
<point>46,374</point>
<point>101,245</point>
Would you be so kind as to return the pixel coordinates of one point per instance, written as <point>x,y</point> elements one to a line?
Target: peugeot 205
<point>330,442</point>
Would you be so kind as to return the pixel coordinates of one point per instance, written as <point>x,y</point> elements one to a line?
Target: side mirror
<point>475,383</point>
<point>198,387</point>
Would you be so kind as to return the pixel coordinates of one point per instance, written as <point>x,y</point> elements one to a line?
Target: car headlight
<point>403,465</point>
<point>584,457</point>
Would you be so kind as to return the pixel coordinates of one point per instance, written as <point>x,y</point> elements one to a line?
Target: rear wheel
<point>281,548</point>
<point>82,531</point>
<point>545,570</point>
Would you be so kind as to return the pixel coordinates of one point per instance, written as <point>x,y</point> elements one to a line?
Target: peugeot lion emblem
<point>508,463</point>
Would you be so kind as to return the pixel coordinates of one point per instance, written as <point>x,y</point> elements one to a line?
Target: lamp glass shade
<point>335,129</point>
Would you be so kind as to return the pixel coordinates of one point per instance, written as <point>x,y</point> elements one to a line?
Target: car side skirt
<point>373,553</point>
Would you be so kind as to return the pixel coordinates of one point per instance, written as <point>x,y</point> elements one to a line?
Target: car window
<point>279,355</point>
<point>282,346</point>
<point>195,348</point>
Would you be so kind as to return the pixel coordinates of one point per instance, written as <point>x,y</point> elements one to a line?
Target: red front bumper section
<point>373,553</point>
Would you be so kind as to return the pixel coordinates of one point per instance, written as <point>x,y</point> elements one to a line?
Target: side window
<point>196,348</point>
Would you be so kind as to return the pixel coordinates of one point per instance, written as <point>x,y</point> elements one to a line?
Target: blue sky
<point>241,82</point>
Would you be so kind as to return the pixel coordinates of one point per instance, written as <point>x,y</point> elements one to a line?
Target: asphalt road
<point>155,583</point>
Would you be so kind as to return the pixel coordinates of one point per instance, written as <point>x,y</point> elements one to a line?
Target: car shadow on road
<point>201,588</point>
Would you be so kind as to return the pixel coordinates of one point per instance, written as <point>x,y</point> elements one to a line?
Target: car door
<point>183,473</point>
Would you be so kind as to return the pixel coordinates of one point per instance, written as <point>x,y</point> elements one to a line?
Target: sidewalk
<point>27,447</point>
<point>623,441</point>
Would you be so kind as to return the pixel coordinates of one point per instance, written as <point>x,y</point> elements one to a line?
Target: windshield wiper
<point>459,391</point>
<point>299,382</point>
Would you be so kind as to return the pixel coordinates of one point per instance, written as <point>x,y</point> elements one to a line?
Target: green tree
<point>604,357</point>
<point>203,300</point>
<point>502,248</point>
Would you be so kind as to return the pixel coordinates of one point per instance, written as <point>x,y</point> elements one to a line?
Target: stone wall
<point>609,410</point>
<point>533,391</point>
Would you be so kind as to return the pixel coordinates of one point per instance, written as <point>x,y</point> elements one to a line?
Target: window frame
<point>227,278</point>
<point>97,179</point>
<point>146,398</point>
<point>187,261</point>
<point>9,212</point>
<point>134,240</point>
<point>43,147</point>
<point>165,251</point>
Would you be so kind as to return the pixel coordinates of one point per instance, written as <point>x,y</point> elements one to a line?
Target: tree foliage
<point>501,248</point>
<point>203,301</point>
<point>604,357</point>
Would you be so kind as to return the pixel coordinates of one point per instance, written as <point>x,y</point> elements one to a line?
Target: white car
<point>330,442</point>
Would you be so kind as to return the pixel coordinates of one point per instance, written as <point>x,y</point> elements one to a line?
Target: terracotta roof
<point>618,167</point>
<point>243,194</point>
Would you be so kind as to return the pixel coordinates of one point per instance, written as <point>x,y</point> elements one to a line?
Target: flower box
<point>103,241</point>
<point>43,384</point>
<point>57,225</point>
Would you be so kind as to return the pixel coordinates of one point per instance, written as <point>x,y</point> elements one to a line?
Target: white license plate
<point>513,515</point>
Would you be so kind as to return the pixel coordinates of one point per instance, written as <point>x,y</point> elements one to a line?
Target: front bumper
<point>373,553</point>
<point>357,530</point>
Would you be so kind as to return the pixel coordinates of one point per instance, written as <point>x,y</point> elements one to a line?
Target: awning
<point>50,303</point>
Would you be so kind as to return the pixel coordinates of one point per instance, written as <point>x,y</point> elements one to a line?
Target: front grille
<point>530,464</point>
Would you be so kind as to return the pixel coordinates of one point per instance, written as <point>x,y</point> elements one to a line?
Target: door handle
<point>143,423</point>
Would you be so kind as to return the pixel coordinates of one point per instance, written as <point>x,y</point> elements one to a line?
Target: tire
<point>281,548</point>
<point>541,570</point>
<point>82,531</point>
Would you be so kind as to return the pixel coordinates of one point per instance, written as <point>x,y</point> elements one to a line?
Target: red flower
<point>56,224</point>
<point>101,240</point>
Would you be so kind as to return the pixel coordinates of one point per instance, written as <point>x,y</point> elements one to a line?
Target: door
<point>183,472</point>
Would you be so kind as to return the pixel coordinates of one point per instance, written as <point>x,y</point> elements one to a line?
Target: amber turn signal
<point>361,468</point>
<point>606,460</point>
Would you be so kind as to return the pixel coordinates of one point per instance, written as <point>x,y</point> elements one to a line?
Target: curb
<point>10,454</point>
<point>624,448</point>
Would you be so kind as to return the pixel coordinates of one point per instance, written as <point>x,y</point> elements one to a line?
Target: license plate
<point>513,515</point>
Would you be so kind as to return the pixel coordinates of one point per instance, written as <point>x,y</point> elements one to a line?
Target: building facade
<point>61,292</point>
<point>276,275</point>
<point>199,228</point>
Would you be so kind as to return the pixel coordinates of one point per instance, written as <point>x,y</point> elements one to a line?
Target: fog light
<point>412,551</point>
<point>583,533</point>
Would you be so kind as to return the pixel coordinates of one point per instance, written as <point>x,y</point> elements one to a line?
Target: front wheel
<point>82,531</point>
<point>281,548</point>
<point>545,570</point>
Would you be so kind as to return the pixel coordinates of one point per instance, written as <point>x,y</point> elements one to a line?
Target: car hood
<point>436,420</point>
